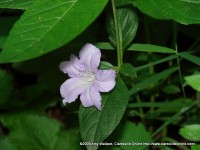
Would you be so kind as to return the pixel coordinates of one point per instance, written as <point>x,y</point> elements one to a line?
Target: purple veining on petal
<point>73,67</point>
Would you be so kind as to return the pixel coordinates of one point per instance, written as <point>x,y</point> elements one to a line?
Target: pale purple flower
<point>85,78</point>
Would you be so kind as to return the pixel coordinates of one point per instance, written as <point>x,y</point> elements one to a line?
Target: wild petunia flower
<point>85,78</point>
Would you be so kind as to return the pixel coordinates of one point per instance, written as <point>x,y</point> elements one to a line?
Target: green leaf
<point>191,58</point>
<point>47,25</point>
<point>96,126</point>
<point>104,46</point>
<point>128,24</point>
<point>128,70</point>
<point>6,86</point>
<point>191,132</point>
<point>182,11</point>
<point>174,105</point>
<point>151,80</point>
<point>132,133</point>
<point>139,47</point>
<point>16,4</point>
<point>194,81</point>
<point>150,8</point>
<point>171,89</point>
<point>105,65</point>
<point>121,3</point>
<point>150,48</point>
<point>68,140</point>
<point>29,131</point>
<point>195,147</point>
<point>156,62</point>
<point>6,144</point>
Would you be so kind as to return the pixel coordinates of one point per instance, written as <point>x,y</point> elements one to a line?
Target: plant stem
<point>118,36</point>
<point>151,68</point>
<point>177,57</point>
<point>140,108</point>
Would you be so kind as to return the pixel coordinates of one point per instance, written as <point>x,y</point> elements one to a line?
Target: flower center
<point>87,75</point>
<point>90,78</point>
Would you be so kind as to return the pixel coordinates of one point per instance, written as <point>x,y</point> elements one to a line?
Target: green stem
<point>140,108</point>
<point>118,36</point>
<point>151,68</point>
<point>177,58</point>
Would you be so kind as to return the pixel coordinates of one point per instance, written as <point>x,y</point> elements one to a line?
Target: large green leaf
<point>47,25</point>
<point>134,134</point>
<point>6,86</point>
<point>96,125</point>
<point>127,23</point>
<point>191,132</point>
<point>182,11</point>
<point>29,131</point>
<point>16,4</point>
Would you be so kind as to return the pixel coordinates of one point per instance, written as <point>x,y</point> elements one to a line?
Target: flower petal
<point>73,67</point>
<point>91,97</point>
<point>90,57</point>
<point>71,88</point>
<point>105,80</point>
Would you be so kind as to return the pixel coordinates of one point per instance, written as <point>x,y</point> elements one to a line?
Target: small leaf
<point>171,89</point>
<point>182,11</point>
<point>47,25</point>
<point>127,22</point>
<point>128,70</point>
<point>29,131</point>
<point>150,48</point>
<point>194,81</point>
<point>105,65</point>
<point>16,4</point>
<point>6,86</point>
<point>191,132</point>
<point>96,126</point>
<point>132,133</point>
